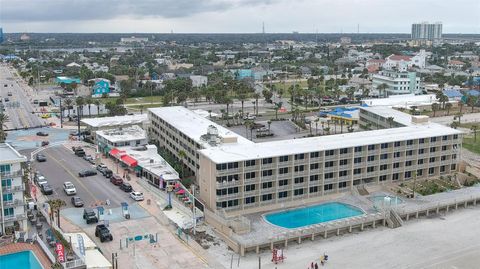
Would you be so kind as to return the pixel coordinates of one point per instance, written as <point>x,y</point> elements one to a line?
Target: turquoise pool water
<point>385,200</point>
<point>312,215</point>
<point>20,260</point>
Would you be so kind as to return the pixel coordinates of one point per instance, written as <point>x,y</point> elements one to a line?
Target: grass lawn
<point>469,125</point>
<point>145,106</point>
<point>147,99</point>
<point>471,145</point>
<point>286,85</point>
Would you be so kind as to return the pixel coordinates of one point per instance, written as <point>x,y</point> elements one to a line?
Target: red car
<point>116,180</point>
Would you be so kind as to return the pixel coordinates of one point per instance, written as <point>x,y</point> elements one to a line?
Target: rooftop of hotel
<point>115,121</point>
<point>194,125</point>
<point>10,155</point>
<point>123,134</point>
<point>402,100</point>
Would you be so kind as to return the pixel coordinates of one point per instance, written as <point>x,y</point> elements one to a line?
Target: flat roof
<point>385,112</point>
<point>10,155</point>
<point>123,134</point>
<point>151,161</point>
<point>404,100</point>
<point>115,121</point>
<point>194,125</point>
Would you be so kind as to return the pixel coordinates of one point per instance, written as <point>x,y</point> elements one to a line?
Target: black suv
<point>46,189</point>
<point>87,173</point>
<point>126,187</point>
<point>90,216</point>
<point>103,232</point>
<point>41,158</point>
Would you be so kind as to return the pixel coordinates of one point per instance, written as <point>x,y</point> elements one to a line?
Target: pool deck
<point>19,247</point>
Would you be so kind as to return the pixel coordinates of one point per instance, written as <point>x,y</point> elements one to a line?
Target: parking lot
<point>62,165</point>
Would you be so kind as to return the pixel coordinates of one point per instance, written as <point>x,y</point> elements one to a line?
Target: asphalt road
<point>62,165</point>
<point>19,108</point>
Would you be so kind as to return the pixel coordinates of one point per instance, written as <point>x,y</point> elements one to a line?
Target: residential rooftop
<point>130,133</point>
<point>195,126</point>
<point>115,121</point>
<point>10,155</point>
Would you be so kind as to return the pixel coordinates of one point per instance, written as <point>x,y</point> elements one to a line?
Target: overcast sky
<point>236,16</point>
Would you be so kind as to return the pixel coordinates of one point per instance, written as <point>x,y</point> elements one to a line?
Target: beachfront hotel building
<point>240,177</point>
<point>12,201</point>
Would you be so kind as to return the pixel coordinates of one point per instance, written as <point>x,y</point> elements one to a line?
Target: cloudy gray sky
<point>236,16</point>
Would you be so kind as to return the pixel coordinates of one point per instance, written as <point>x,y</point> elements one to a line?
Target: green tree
<point>181,156</point>
<point>435,108</point>
<point>97,104</point>
<point>390,121</point>
<point>55,206</point>
<point>256,96</point>
<point>3,120</point>
<point>68,104</point>
<point>472,101</point>
<point>448,106</point>
<point>277,107</point>
<point>382,89</point>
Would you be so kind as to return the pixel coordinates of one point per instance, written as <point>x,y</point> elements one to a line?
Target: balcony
<point>228,171</point>
<point>250,193</point>
<point>228,196</point>
<point>284,187</point>
<point>228,184</point>
<point>11,174</point>
<point>251,168</point>
<point>17,217</point>
<point>13,203</point>
<point>12,189</point>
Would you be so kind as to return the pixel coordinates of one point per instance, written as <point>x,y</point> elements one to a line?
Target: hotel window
<point>409,142</point>
<point>371,147</point>
<point>408,174</point>
<point>421,151</point>
<point>454,156</point>
<point>431,170</point>
<point>232,165</point>
<point>445,137</point>
<point>283,182</point>
<point>357,160</point>
<point>382,178</point>
<point>421,141</point>
<point>396,154</point>
<point>370,169</point>
<point>419,172</point>
<point>299,168</point>
<point>267,197</point>
<point>384,156</point>
<point>383,167</point>
<point>343,162</point>
<point>283,158</point>
<point>313,189</point>
<point>329,164</point>
<point>432,159</point>
<point>432,149</point>
<point>357,171</point>
<point>314,154</point>
<point>455,136</point>
<point>409,152</point>
<point>443,158</point>
<point>442,169</point>
<point>384,146</point>
<point>371,158</point>
<point>408,163</point>
<point>328,187</point>
<point>344,151</point>
<point>396,165</point>
<point>250,163</point>
<point>444,148</point>
<point>249,175</point>
<point>328,175</point>
<point>420,161</point>
<point>299,156</point>
<point>267,161</point>
<point>250,200</point>
<point>298,192</point>
<point>342,185</point>
<point>342,173</point>
<point>283,194</point>
<point>453,167</point>
<point>267,185</point>
<point>329,152</point>
<point>267,173</point>
<point>433,139</point>
<point>358,149</point>
<point>395,176</point>
<point>314,166</point>
<point>313,177</point>
<point>283,170</point>
<point>397,144</point>
<point>221,166</point>
<point>299,180</point>
<point>250,187</point>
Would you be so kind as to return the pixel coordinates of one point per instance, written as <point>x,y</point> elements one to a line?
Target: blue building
<point>101,86</point>
<point>67,80</point>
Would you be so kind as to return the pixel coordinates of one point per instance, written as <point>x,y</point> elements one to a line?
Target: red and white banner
<point>60,252</point>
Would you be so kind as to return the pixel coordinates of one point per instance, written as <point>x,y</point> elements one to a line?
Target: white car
<point>40,180</point>
<point>69,188</point>
<point>137,196</point>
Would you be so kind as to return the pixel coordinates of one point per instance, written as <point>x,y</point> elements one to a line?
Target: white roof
<point>123,134</point>
<point>398,116</point>
<point>151,161</point>
<point>115,121</point>
<point>93,257</point>
<point>402,100</point>
<point>194,125</point>
<point>9,155</point>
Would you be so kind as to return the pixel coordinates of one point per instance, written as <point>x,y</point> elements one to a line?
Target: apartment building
<point>241,179</point>
<point>398,82</point>
<point>11,190</point>
<point>427,31</point>
<point>181,131</point>
<point>132,136</point>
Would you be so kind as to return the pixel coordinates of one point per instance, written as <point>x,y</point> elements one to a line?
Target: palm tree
<point>350,128</point>
<point>460,106</point>
<point>472,101</point>
<point>89,102</point>
<point>351,93</point>
<point>448,106</point>
<point>256,96</point>
<point>277,107</point>
<point>68,103</point>
<point>390,121</point>
<point>3,119</point>
<point>80,101</point>
<point>316,125</point>
<point>435,108</point>
<point>55,206</point>
<point>242,96</point>
<point>248,125</point>
<point>474,129</point>
<point>227,100</point>
<point>97,104</point>
<point>382,88</point>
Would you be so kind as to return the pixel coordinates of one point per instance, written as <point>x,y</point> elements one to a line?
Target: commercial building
<point>239,177</point>
<point>12,201</point>
<point>132,136</point>
<point>402,101</point>
<point>398,82</point>
<point>427,31</point>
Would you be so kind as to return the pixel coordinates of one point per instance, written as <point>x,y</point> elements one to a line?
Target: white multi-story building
<point>11,188</point>
<point>398,82</point>
<point>132,136</point>
<point>402,62</point>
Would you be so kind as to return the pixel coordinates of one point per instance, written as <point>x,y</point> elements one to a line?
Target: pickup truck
<point>103,233</point>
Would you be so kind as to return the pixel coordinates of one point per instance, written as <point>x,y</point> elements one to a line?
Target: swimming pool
<point>20,260</point>
<point>312,215</point>
<point>385,200</point>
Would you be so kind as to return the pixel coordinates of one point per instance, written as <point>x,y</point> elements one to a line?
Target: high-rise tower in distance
<point>427,31</point>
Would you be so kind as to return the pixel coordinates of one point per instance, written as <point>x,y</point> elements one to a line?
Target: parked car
<point>126,187</point>
<point>40,158</point>
<point>45,143</point>
<point>107,173</point>
<point>87,173</point>
<point>249,117</point>
<point>136,195</point>
<point>80,152</point>
<point>103,233</point>
<point>89,216</point>
<point>88,157</point>
<point>116,180</point>
<point>77,201</point>
<point>42,134</point>
<point>9,93</point>
<point>39,179</point>
<point>46,189</point>
<point>69,188</point>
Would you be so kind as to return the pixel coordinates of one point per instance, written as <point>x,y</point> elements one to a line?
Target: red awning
<point>129,160</point>
<point>114,151</point>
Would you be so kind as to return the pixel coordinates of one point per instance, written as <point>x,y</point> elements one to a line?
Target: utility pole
<point>61,114</point>
<point>78,122</point>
